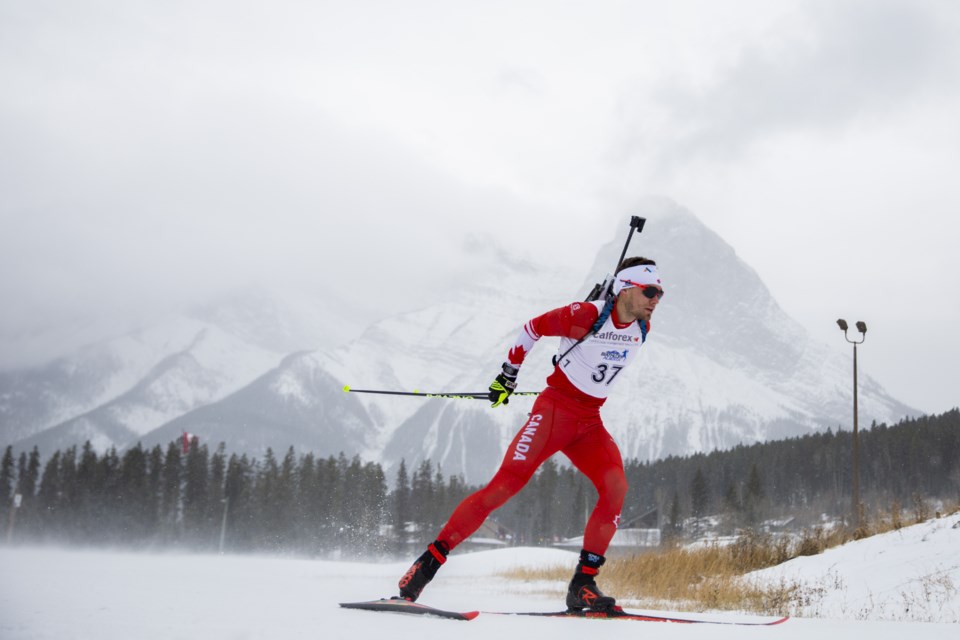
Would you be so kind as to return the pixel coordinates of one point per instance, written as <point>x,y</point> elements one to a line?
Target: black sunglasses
<point>652,292</point>
<point>648,289</point>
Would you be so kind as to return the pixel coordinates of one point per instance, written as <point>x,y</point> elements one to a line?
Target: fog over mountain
<point>723,365</point>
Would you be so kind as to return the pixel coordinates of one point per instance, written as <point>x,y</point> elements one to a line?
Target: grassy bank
<point>711,576</point>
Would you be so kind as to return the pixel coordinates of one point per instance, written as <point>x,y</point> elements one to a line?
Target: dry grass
<point>698,579</point>
<point>711,577</point>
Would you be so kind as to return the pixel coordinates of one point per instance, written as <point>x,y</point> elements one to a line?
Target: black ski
<point>620,614</point>
<point>399,605</point>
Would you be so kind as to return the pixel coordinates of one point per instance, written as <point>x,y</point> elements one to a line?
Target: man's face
<point>638,304</point>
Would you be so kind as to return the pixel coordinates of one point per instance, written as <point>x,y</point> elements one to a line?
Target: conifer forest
<point>204,499</point>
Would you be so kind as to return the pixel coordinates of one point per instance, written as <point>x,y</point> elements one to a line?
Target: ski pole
<point>636,223</point>
<point>602,289</point>
<point>464,395</point>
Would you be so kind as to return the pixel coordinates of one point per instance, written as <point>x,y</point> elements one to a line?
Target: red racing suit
<point>565,418</point>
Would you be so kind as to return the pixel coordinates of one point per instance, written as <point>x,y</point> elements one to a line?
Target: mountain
<point>116,391</point>
<point>451,345</point>
<point>723,365</point>
<point>291,405</point>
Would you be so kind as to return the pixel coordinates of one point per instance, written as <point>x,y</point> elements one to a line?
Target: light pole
<point>855,481</point>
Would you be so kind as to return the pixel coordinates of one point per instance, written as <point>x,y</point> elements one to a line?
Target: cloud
<point>817,70</point>
<point>111,217</point>
<point>155,153</point>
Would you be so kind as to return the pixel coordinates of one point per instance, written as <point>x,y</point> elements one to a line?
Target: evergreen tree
<point>238,491</point>
<point>731,503</point>
<point>699,497</point>
<point>8,479</point>
<point>329,493</point>
<point>170,493</point>
<point>546,492</point>
<point>154,492</point>
<point>285,494</point>
<point>306,521</point>
<point>454,494</point>
<point>69,492</point>
<point>29,475</point>
<point>402,511</point>
<point>134,496</point>
<point>374,506</point>
<point>439,488</point>
<point>48,499</point>
<point>421,499</point>
<point>196,495</point>
<point>216,503</point>
<point>107,511</point>
<point>265,503</point>
<point>753,497</point>
<point>86,494</point>
<point>675,526</point>
<point>351,511</point>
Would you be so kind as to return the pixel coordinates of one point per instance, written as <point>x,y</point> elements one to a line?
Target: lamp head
<point>842,324</point>
<point>861,326</point>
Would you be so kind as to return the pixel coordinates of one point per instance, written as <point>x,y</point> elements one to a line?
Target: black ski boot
<point>423,570</point>
<point>583,592</point>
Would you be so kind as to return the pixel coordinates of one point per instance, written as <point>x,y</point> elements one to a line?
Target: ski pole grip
<point>636,222</point>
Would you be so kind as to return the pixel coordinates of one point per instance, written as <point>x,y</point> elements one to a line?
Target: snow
<point>62,593</point>
<point>910,574</point>
<point>211,366</point>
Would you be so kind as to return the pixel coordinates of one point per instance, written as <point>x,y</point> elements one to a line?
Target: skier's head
<point>637,272</point>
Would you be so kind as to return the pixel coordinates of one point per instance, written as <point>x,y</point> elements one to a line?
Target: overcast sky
<point>154,152</point>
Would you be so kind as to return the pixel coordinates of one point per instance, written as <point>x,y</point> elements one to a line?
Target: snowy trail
<point>57,594</point>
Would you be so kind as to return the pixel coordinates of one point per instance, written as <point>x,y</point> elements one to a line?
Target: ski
<point>399,605</point>
<point>620,614</point>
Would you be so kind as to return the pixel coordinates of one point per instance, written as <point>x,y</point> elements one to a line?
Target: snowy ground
<point>59,594</point>
<point>911,574</point>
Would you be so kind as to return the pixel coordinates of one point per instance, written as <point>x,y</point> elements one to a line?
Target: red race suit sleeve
<point>571,321</point>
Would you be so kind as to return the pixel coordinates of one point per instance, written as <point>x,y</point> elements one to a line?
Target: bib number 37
<point>605,373</point>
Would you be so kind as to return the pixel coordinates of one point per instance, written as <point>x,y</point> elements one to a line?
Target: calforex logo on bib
<point>526,437</point>
<point>616,337</point>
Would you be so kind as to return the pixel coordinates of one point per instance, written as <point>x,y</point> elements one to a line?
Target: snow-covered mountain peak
<point>723,365</point>
<point>120,389</point>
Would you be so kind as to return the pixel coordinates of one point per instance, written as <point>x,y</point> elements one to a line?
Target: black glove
<point>504,384</point>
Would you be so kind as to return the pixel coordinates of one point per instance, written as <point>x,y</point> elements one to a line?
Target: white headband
<point>640,274</point>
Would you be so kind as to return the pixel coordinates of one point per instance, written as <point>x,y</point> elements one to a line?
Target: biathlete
<point>564,418</point>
